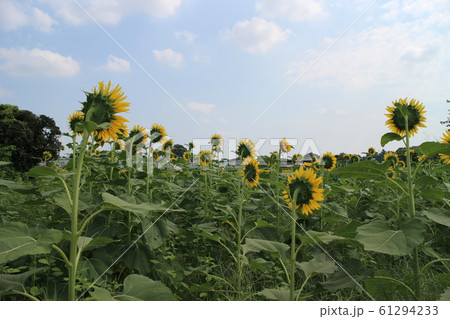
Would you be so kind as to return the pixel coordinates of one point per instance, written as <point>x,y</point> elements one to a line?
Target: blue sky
<point>331,66</point>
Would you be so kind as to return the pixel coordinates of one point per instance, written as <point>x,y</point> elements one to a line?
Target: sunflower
<point>46,156</point>
<point>445,139</point>
<point>167,145</point>
<point>157,133</point>
<point>421,158</point>
<point>155,155</point>
<point>354,158</point>
<point>401,164</point>
<point>139,135</point>
<point>123,132</point>
<point>187,156</point>
<point>102,106</point>
<point>118,145</point>
<point>285,146</point>
<point>329,161</point>
<point>216,142</point>
<point>391,173</point>
<point>74,119</point>
<point>245,149</point>
<point>205,158</point>
<point>309,194</point>
<point>274,155</point>
<point>396,120</point>
<point>371,151</point>
<point>191,146</point>
<point>250,171</point>
<point>296,157</point>
<point>392,157</point>
<point>98,141</point>
<point>347,157</point>
<point>312,163</point>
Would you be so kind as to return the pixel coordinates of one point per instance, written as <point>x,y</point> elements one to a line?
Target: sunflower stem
<point>239,240</point>
<point>72,267</point>
<point>149,168</point>
<point>412,214</point>
<point>74,148</point>
<point>129,181</point>
<point>278,193</point>
<point>111,157</point>
<point>293,252</point>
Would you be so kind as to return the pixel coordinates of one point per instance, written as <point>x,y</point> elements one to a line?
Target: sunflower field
<point>128,219</point>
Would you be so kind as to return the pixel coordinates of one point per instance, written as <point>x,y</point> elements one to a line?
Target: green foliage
<point>389,137</point>
<point>380,236</point>
<point>174,235</point>
<point>137,288</point>
<point>16,240</point>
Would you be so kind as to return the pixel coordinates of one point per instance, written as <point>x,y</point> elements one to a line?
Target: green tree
<point>25,136</point>
<point>179,150</point>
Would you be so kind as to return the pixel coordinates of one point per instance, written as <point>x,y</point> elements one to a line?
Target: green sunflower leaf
<point>446,295</point>
<point>16,282</point>
<point>438,216</point>
<point>434,193</point>
<point>141,210</point>
<point>16,240</point>
<point>379,236</point>
<point>280,294</point>
<point>257,245</point>
<point>318,265</point>
<point>20,188</point>
<point>101,294</point>
<point>320,237</point>
<point>88,125</point>
<point>434,148</point>
<point>138,287</point>
<point>42,171</point>
<point>389,137</point>
<point>364,169</point>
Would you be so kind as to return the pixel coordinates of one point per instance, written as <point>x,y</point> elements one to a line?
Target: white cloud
<point>410,53</point>
<point>436,11</point>
<point>115,64</point>
<point>111,12</point>
<point>37,62</point>
<point>11,15</point>
<point>201,107</point>
<point>68,11</point>
<point>42,21</point>
<point>5,92</point>
<point>257,35</point>
<point>169,57</point>
<point>393,9</point>
<point>294,10</point>
<point>156,8</point>
<point>15,15</point>
<point>185,36</point>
